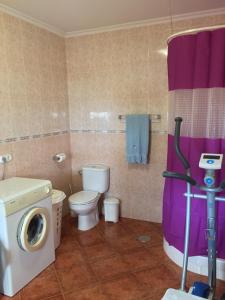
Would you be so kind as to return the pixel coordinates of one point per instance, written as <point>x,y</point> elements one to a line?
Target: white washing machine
<point>26,231</point>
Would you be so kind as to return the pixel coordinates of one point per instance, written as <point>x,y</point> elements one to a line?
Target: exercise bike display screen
<point>211,161</point>
<point>211,157</point>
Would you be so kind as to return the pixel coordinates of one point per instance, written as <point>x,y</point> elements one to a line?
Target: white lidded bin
<point>57,204</point>
<point>111,209</point>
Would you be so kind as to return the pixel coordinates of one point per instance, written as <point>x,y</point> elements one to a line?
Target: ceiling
<point>79,15</point>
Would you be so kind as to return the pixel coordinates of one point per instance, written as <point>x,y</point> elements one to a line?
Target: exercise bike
<point>211,163</point>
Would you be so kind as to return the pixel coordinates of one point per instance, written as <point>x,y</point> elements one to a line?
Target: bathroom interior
<point>71,75</point>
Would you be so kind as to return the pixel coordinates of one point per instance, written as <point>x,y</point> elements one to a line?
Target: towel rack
<point>153,117</point>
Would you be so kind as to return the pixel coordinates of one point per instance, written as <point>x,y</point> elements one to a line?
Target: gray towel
<point>137,138</point>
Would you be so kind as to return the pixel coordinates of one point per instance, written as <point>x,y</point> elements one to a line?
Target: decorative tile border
<point>56,133</point>
<point>95,131</point>
<point>111,131</point>
<point>32,137</point>
<point>23,138</point>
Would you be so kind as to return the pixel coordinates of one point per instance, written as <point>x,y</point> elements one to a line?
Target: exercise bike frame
<point>211,213</point>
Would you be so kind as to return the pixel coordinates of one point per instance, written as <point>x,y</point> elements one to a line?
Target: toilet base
<point>86,222</point>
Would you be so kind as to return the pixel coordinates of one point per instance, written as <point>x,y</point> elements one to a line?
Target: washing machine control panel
<point>209,161</point>
<point>27,199</point>
<point>17,193</point>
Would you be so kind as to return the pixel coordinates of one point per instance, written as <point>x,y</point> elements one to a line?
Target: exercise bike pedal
<point>201,289</point>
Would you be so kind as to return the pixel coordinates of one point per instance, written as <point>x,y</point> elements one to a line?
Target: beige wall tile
<point>33,158</point>
<point>122,72</point>
<point>51,84</point>
<point>32,78</point>
<point>33,100</point>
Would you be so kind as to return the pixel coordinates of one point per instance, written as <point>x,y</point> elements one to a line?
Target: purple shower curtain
<point>196,71</point>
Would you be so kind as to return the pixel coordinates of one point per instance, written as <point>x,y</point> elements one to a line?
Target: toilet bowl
<point>84,204</point>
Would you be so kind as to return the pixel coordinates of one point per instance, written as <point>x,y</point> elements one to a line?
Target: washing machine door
<point>33,229</point>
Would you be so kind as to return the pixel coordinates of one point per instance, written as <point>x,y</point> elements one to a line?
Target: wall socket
<point>5,158</point>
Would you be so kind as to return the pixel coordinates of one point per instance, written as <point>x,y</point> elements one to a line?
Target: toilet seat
<point>83,197</point>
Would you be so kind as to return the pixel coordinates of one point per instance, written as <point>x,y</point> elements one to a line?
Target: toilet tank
<point>95,178</point>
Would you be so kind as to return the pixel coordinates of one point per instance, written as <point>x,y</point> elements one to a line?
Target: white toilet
<point>85,203</point>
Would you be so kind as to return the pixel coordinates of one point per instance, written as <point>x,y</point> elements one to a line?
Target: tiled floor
<point>107,263</point>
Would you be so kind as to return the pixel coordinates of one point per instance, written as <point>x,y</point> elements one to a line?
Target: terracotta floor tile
<point>43,286</point>
<point>122,244</point>
<point>139,227</point>
<point>155,294</point>
<point>69,226</point>
<point>126,220</point>
<point>90,237</point>
<point>67,244</point>
<point>98,251</point>
<point>112,231</point>
<point>49,270</point>
<point>68,231</point>
<point>92,293</point>
<point>160,277</point>
<point>140,258</point>
<point>107,263</point>
<point>156,239</point>
<point>16,297</point>
<point>58,297</point>
<point>158,253</point>
<point>109,267</point>
<point>124,288</point>
<point>175,269</point>
<point>75,277</point>
<point>67,259</point>
<point>159,227</point>
<point>220,289</point>
<point>153,230</point>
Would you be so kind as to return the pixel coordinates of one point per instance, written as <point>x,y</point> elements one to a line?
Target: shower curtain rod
<point>195,30</point>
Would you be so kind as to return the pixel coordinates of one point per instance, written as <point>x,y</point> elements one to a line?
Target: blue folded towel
<point>137,138</point>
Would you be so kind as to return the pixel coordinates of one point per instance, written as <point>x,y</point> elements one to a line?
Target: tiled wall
<point>34,102</point>
<point>109,74</point>
<point>114,73</point>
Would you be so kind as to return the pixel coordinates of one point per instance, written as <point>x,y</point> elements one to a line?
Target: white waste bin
<point>57,204</point>
<point>111,209</point>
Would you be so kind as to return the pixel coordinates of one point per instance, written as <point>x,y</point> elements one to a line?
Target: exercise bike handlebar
<point>179,176</point>
<point>185,163</point>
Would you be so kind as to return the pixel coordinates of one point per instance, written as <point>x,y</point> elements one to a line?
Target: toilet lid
<point>83,197</point>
